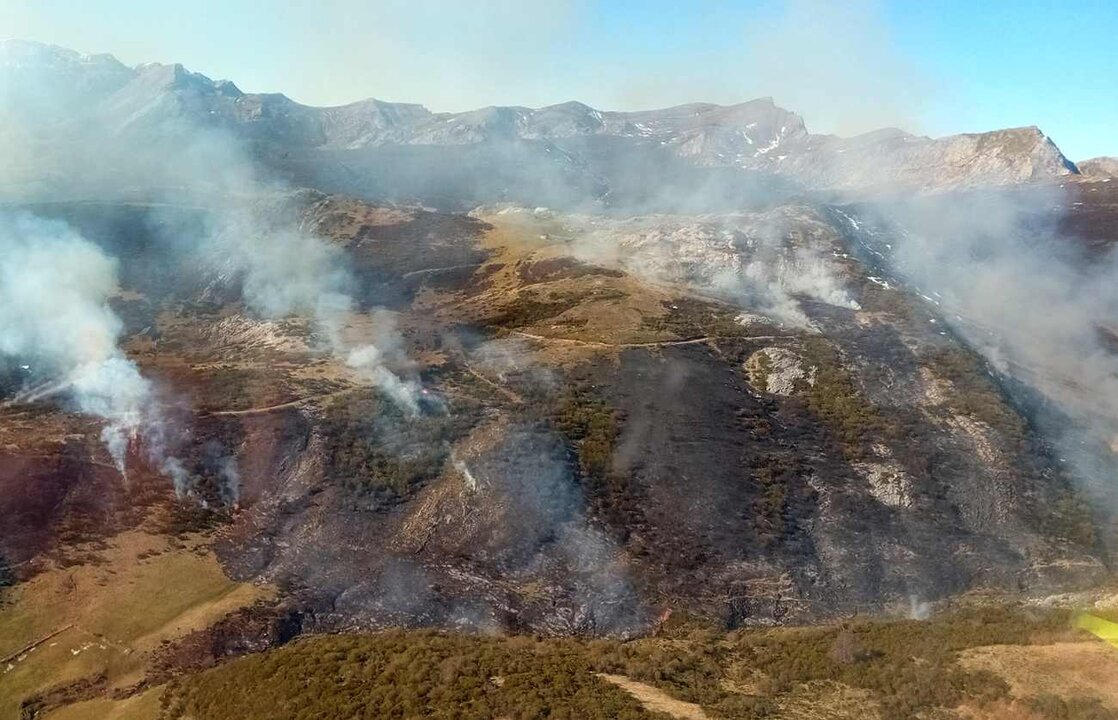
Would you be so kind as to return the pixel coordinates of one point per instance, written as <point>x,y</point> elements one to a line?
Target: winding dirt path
<point>659,343</point>
<point>656,700</point>
<point>596,343</point>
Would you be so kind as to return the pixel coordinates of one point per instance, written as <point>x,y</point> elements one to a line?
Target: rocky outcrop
<point>891,160</point>
<point>1100,167</point>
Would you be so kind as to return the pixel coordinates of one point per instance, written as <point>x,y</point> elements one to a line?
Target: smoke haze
<point>1039,312</point>
<point>250,241</point>
<point>283,270</point>
<point>765,262</point>
<point>1028,298</point>
<point>54,315</point>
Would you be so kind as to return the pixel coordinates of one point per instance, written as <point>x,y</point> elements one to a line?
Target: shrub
<point>1052,707</point>
<point>975,393</point>
<point>834,398</point>
<point>908,667</point>
<point>370,449</point>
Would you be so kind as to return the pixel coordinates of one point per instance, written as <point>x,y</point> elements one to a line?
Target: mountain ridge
<point>757,136</point>
<point>1100,167</point>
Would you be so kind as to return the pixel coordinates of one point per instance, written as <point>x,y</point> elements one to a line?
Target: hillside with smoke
<point>765,262</point>
<point>146,145</point>
<point>211,210</point>
<point>255,244</point>
<point>1030,298</point>
<point>55,318</point>
<point>556,371</point>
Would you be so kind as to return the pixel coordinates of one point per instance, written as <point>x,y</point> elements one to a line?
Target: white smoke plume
<point>231,481</point>
<point>149,146</point>
<point>751,259</point>
<point>1022,294</point>
<point>286,270</point>
<point>1027,297</point>
<point>54,313</point>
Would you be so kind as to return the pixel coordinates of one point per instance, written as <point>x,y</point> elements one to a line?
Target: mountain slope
<point>604,441</point>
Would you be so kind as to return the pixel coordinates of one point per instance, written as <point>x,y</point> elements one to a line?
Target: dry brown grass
<point>656,700</point>
<point>144,706</point>
<point>828,701</point>
<point>607,307</point>
<point>1064,669</point>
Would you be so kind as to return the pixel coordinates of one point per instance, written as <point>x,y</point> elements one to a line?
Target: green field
<point>111,615</point>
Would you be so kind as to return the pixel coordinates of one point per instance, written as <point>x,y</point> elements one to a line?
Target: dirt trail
<point>503,390</point>
<point>656,700</point>
<point>432,271</point>
<point>659,343</point>
<point>34,644</point>
<point>595,343</point>
<point>281,406</point>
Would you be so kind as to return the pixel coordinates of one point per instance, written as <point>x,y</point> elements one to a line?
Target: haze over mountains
<point>564,155</point>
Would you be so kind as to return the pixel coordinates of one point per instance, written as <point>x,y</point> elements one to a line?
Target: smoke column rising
<point>285,270</point>
<point>54,312</point>
<point>1030,301</point>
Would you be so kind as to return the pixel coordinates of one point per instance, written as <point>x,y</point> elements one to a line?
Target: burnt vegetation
<point>974,392</point>
<point>593,425</point>
<point>783,501</point>
<point>530,308</point>
<point>687,318</point>
<point>712,492</point>
<point>835,399</point>
<point>7,575</point>
<point>561,268</point>
<point>372,450</point>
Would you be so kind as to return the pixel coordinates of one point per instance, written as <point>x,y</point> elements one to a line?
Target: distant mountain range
<point>563,154</point>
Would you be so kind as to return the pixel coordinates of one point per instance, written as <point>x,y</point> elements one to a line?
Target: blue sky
<point>934,67</point>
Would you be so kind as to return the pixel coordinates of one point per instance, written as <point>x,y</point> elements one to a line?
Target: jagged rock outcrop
<point>891,160</point>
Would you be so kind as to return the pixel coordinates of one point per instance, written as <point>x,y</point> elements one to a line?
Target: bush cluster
<point>837,402</point>
<point>908,667</point>
<point>404,675</point>
<point>370,449</point>
<point>975,393</point>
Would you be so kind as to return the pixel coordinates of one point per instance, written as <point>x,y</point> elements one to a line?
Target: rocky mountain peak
<point>173,77</point>
<point>30,55</point>
<point>50,83</point>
